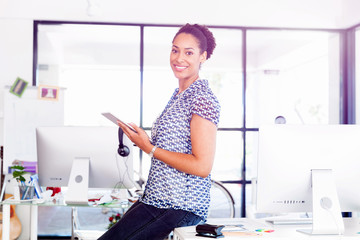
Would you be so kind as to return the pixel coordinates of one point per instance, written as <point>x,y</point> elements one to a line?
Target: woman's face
<point>185,57</point>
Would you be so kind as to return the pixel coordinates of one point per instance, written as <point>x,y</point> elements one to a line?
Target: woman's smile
<point>179,67</point>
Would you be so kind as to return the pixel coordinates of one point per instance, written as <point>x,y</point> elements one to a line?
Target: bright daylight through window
<point>104,68</point>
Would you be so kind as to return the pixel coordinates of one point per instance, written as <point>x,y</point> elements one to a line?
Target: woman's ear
<point>203,57</point>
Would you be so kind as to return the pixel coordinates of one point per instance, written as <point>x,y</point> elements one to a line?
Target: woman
<point>182,147</point>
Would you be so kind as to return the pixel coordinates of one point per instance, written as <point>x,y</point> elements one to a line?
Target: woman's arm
<point>203,138</point>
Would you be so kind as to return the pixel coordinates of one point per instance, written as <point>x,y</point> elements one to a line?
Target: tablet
<point>115,120</point>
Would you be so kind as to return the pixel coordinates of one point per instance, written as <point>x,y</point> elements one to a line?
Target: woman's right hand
<point>139,138</point>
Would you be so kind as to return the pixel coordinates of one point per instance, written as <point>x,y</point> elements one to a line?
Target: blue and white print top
<point>166,186</point>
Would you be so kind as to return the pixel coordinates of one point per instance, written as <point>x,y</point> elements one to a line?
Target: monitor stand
<point>327,218</point>
<point>77,193</point>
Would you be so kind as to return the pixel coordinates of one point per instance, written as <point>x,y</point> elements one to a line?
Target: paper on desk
<point>105,199</point>
<point>241,234</point>
<point>234,228</point>
<point>225,222</point>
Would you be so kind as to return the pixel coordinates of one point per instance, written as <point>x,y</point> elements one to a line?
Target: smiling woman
<point>186,59</point>
<point>191,48</point>
<point>182,147</point>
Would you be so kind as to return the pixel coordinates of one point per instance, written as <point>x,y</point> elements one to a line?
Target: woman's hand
<point>139,138</point>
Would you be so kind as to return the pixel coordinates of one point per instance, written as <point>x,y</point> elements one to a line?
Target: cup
<point>27,192</point>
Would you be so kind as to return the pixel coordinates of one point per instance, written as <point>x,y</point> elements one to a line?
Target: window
<point>294,74</point>
<point>125,69</point>
<point>99,65</point>
<point>289,73</point>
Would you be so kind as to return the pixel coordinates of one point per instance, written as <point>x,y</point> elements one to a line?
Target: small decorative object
<point>113,219</point>
<point>48,93</point>
<point>18,87</point>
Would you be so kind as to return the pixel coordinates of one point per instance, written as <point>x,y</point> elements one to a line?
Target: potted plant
<point>19,173</point>
<point>26,191</point>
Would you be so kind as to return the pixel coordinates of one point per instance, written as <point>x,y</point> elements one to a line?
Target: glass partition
<point>159,80</point>
<point>99,65</point>
<point>294,74</point>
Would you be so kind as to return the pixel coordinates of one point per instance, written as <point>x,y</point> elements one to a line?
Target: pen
<point>25,193</point>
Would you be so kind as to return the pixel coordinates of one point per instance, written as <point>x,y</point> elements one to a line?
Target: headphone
<point>123,150</point>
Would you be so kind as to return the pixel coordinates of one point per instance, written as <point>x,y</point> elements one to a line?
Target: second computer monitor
<point>57,147</point>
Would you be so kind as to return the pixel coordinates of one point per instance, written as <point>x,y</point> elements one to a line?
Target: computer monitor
<point>310,168</point>
<point>89,154</point>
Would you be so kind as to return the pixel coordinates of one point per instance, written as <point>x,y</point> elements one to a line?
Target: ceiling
<point>304,14</point>
<point>328,14</point>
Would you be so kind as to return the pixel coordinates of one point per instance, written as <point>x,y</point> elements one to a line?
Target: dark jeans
<point>143,222</point>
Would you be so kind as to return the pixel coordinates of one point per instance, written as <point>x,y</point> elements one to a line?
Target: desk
<point>281,232</point>
<point>34,214</point>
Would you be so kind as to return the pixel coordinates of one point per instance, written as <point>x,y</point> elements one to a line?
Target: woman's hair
<point>202,34</point>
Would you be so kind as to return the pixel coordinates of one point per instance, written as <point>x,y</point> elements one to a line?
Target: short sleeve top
<point>168,187</point>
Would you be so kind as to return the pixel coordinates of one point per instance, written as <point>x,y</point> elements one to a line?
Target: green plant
<point>18,173</point>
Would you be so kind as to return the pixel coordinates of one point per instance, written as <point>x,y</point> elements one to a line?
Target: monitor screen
<point>57,147</point>
<point>290,154</point>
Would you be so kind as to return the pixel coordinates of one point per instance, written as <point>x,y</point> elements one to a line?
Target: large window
<point>289,73</point>
<point>99,65</point>
<point>294,74</point>
<point>257,74</point>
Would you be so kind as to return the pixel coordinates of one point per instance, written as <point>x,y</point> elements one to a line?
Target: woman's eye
<point>189,53</point>
<point>174,51</point>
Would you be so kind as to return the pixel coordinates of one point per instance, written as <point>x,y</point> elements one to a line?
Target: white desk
<point>34,215</point>
<point>281,232</point>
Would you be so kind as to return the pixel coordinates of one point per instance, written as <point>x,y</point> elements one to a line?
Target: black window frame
<point>347,75</point>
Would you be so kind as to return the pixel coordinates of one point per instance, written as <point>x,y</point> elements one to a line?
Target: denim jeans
<point>144,222</point>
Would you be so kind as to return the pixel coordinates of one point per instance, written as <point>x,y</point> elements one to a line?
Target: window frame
<point>347,75</point>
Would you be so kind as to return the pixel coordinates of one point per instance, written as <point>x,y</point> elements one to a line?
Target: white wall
<point>16,21</point>
<point>15,56</point>
<point>282,13</point>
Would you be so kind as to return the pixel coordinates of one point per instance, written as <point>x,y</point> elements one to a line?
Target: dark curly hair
<point>202,34</point>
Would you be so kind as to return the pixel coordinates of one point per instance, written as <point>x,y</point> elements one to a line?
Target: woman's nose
<point>180,57</point>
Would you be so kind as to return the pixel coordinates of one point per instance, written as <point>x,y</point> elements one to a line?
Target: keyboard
<point>293,221</point>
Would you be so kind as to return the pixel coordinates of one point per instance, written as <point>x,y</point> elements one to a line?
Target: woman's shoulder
<point>201,88</point>
<point>205,93</point>
<point>205,103</point>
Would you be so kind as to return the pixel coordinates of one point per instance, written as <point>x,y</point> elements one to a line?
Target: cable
<point>123,177</point>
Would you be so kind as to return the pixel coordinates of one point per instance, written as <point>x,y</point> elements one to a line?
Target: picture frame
<point>19,86</point>
<point>50,93</point>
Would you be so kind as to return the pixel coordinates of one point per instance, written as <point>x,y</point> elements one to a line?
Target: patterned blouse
<point>166,186</point>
